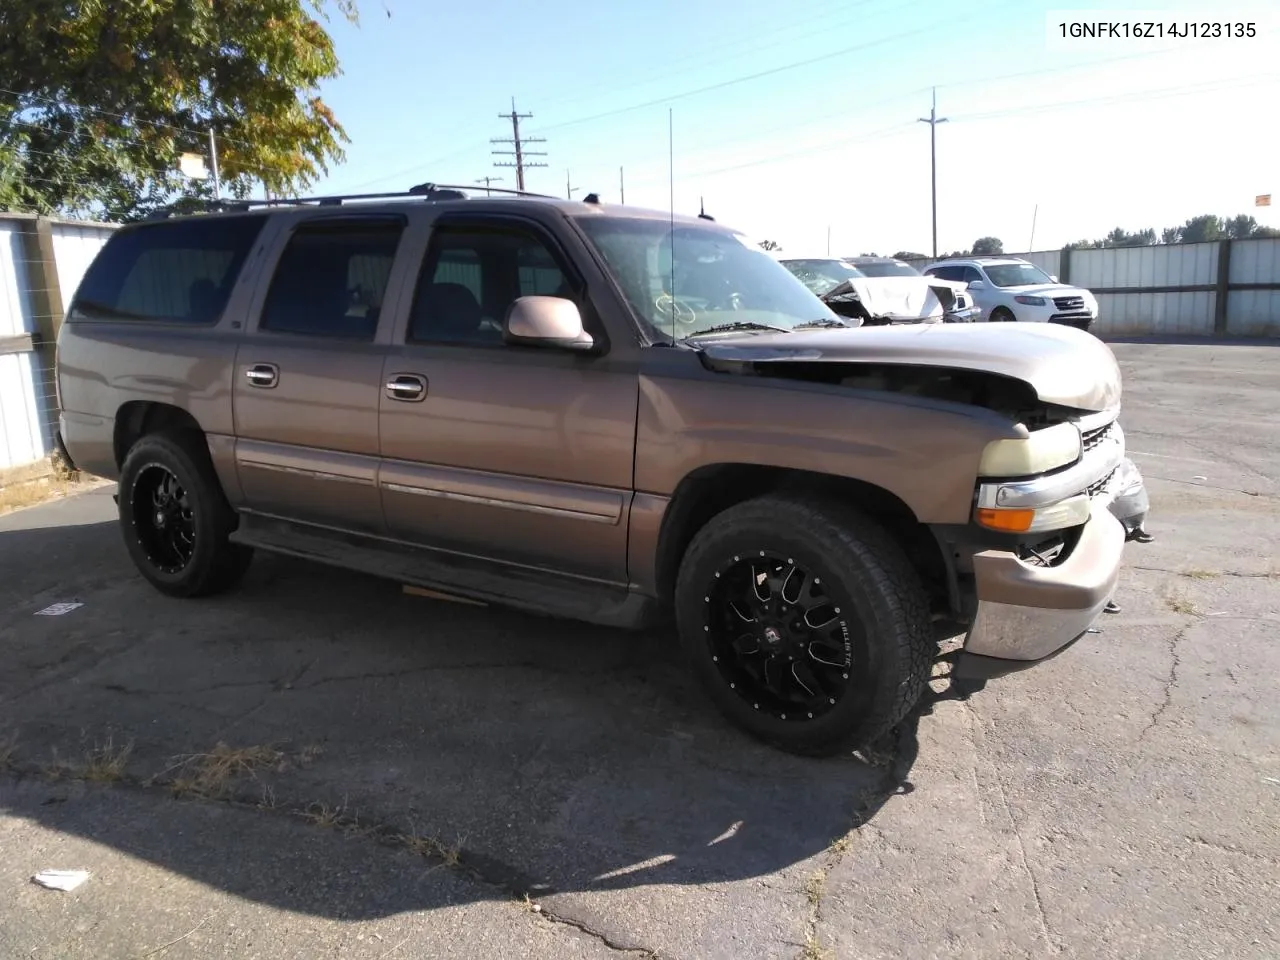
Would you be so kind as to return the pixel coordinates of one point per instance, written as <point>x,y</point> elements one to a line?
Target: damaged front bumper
<point>1028,613</point>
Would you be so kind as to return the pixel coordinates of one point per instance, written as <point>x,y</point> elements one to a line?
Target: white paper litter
<point>58,609</point>
<point>66,880</point>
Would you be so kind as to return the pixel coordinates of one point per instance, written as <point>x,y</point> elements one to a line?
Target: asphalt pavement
<point>320,765</point>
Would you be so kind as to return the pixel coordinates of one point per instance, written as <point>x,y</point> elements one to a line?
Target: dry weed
<point>106,763</point>
<point>211,774</point>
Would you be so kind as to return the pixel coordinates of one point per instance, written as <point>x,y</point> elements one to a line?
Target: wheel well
<point>136,419</point>
<point>711,490</point>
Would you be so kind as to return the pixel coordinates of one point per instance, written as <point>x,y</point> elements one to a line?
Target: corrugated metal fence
<point>1228,288</point>
<point>32,251</point>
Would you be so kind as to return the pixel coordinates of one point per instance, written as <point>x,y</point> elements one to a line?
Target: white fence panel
<point>74,247</point>
<point>22,420</point>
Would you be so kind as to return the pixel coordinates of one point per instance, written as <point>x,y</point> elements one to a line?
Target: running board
<point>534,591</point>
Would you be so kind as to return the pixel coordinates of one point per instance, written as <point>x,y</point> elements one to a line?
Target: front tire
<point>176,520</point>
<point>805,623</point>
<point>1002,315</point>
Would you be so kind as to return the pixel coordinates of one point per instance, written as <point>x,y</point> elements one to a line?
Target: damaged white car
<point>883,291</point>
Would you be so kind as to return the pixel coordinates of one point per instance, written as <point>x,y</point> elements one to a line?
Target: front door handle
<point>263,375</point>
<point>407,386</point>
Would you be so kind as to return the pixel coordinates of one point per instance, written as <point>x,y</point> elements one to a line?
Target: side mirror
<point>977,285</point>
<point>546,322</point>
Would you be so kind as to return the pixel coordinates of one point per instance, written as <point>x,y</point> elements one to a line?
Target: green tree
<point>1122,238</point>
<point>98,99</point>
<point>1171,235</point>
<point>987,247</point>
<point>1203,228</point>
<point>908,255</point>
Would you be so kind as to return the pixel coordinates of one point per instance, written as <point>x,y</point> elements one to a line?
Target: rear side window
<point>331,280</point>
<point>181,271</point>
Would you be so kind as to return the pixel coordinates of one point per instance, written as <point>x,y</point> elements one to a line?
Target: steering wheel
<point>669,307</point>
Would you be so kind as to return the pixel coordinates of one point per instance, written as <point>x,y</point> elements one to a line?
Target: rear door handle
<point>409,387</point>
<point>263,375</point>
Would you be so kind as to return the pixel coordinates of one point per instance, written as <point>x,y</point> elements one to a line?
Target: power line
<point>759,74</point>
<point>486,181</point>
<point>518,142</point>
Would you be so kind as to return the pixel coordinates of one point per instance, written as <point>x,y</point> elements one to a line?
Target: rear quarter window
<point>179,271</point>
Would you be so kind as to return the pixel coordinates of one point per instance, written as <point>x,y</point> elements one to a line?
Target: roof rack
<point>429,192</point>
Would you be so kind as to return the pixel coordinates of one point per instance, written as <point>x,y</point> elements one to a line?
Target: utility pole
<point>568,190</point>
<point>213,165</point>
<point>516,141</point>
<point>933,120</point>
<point>622,188</point>
<point>486,181</point>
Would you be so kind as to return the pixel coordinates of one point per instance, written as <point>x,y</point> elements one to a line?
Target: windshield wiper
<point>738,325</point>
<point>824,322</point>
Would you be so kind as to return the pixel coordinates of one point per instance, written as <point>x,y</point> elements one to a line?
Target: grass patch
<point>8,749</point>
<point>1181,605</point>
<point>813,950</point>
<point>433,849</point>
<point>1197,574</point>
<point>325,815</point>
<point>57,768</point>
<point>814,887</point>
<point>106,763</point>
<point>212,774</point>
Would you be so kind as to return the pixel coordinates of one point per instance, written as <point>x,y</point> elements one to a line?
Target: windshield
<point>719,278</point>
<point>822,276</point>
<point>888,268</point>
<point>1016,274</point>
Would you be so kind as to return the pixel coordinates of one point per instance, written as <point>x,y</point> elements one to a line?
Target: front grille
<point>1080,321</point>
<point>1069,303</point>
<point>1098,486</point>
<point>1091,438</point>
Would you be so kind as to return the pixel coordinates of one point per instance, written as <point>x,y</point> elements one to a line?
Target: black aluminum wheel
<point>804,622</point>
<point>779,640</point>
<point>175,518</point>
<point>163,519</point>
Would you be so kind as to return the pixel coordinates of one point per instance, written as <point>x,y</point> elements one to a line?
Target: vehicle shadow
<point>548,757</point>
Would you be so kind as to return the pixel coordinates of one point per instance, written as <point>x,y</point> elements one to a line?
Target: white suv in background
<point>1008,289</point>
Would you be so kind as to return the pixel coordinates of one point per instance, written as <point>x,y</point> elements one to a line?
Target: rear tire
<point>805,623</point>
<point>1002,315</point>
<point>176,520</point>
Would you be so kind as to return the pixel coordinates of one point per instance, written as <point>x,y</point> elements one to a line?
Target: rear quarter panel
<point>103,365</point>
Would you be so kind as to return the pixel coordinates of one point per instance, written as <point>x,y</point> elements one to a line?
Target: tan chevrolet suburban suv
<point>601,413</point>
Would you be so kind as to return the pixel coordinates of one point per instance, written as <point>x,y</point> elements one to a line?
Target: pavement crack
<point>893,780</point>
<point>414,671</point>
<point>594,934</point>
<point>1170,681</point>
<point>1037,897</point>
<point>1202,841</point>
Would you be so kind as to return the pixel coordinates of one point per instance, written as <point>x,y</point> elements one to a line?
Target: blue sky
<point>790,119</point>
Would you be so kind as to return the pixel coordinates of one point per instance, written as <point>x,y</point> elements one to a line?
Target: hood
<point>1064,366</point>
<point>1047,290</point>
<point>894,298</point>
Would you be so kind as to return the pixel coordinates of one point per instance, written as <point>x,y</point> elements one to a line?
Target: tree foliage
<point>908,255</point>
<point>987,247</point>
<point>98,98</point>
<point>1199,229</point>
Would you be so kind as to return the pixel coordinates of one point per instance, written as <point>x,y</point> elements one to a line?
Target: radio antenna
<point>671,184</point>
